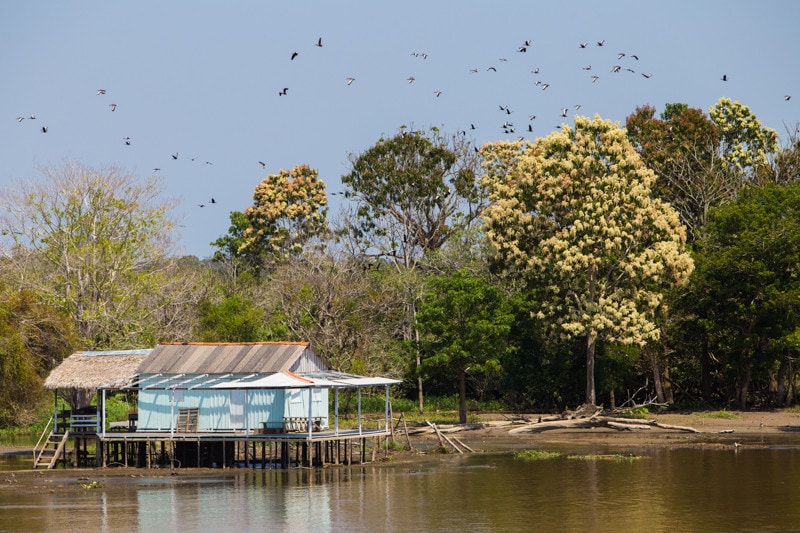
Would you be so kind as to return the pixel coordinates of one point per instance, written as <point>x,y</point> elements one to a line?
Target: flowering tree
<point>574,213</point>
<point>746,144</point>
<point>289,209</point>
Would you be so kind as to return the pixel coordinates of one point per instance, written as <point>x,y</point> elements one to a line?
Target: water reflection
<point>743,489</point>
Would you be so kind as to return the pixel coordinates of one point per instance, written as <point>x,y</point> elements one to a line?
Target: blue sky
<point>201,79</point>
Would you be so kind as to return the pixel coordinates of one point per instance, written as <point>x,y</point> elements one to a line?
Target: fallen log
<point>619,424</point>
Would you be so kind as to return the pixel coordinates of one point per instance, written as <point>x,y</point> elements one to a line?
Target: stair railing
<point>42,437</point>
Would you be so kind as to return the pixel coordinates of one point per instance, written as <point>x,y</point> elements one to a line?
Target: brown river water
<point>746,488</point>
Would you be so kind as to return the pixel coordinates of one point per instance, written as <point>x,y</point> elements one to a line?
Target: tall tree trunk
<point>705,370</point>
<point>462,397</point>
<point>652,355</point>
<point>419,360</point>
<point>783,378</point>
<point>743,388</point>
<point>591,340</point>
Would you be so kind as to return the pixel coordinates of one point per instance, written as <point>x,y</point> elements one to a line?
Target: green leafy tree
<point>34,338</point>
<point>234,319</point>
<point>92,243</point>
<point>288,211</point>
<point>412,193</point>
<point>747,274</point>
<point>464,325</point>
<point>574,214</point>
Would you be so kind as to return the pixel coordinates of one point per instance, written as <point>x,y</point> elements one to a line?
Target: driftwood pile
<point>591,417</point>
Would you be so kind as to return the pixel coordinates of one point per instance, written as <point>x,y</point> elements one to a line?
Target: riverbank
<point>718,429</point>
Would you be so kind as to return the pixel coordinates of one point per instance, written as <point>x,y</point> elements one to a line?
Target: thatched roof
<point>89,370</point>
<point>224,358</point>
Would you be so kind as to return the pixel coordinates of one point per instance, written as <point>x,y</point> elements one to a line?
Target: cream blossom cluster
<point>575,213</point>
<point>288,209</point>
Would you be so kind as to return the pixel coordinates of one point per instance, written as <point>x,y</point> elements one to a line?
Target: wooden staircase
<point>51,450</point>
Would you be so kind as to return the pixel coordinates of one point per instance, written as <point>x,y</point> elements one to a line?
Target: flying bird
<point>101,91</point>
<point>564,112</point>
<point>545,86</point>
<point>213,201</point>
<point>595,78</point>
<point>263,165</point>
<point>20,119</point>
<point>113,107</point>
<point>175,156</point>
<point>44,129</point>
<point>32,117</point>
<point>410,79</point>
<point>522,49</point>
<point>583,45</point>
<point>616,68</point>
<point>294,54</point>
<point>601,43</point>
<point>319,42</point>
<point>350,81</point>
<point>648,76</point>
<point>620,55</point>
<point>587,67</point>
<point>787,97</point>
<point>283,92</point>
<point>437,93</point>
<point>492,69</point>
<point>724,77</point>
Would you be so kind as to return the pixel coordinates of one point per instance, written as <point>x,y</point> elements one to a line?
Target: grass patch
<point>718,414</point>
<point>536,455</point>
<point>637,413</point>
<point>615,457</point>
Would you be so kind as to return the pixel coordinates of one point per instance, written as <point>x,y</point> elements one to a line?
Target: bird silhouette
<point>44,129</point>
<point>113,107</point>
<point>724,77</point>
<point>263,165</point>
<point>595,78</point>
<point>319,42</point>
<point>583,45</point>
<point>601,43</point>
<point>350,81</point>
<point>175,156</point>
<point>294,55</point>
<point>437,93</point>
<point>410,79</point>
<point>283,92</point>
<point>787,97</point>
<point>101,91</point>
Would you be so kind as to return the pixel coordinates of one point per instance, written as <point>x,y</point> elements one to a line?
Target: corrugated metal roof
<point>222,358</point>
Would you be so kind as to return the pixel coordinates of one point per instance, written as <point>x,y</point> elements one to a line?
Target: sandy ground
<point>715,430</point>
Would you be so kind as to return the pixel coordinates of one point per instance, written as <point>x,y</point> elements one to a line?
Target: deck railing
<point>84,423</point>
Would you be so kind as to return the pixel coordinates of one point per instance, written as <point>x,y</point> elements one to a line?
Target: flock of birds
<point>623,64</point>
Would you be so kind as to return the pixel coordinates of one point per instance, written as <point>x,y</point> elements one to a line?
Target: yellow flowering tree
<point>574,214</point>
<point>746,144</point>
<point>288,210</point>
